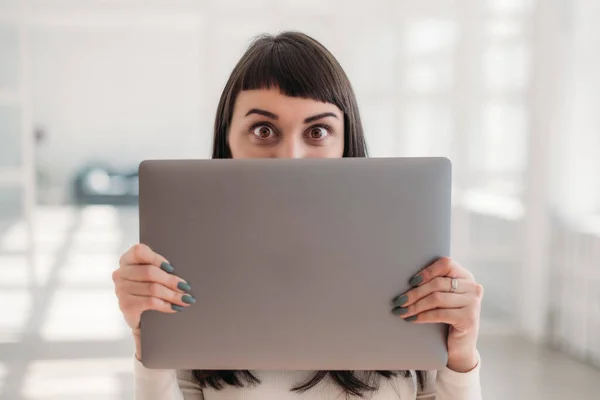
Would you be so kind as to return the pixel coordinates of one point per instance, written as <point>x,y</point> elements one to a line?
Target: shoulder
<point>185,375</point>
<point>187,381</point>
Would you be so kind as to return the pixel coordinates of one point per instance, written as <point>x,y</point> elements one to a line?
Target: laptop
<point>294,262</point>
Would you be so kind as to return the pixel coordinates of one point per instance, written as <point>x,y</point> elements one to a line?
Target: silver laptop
<point>294,263</point>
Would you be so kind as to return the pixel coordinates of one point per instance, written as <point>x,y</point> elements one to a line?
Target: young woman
<point>289,98</point>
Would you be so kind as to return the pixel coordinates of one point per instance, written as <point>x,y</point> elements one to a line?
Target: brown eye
<point>318,133</point>
<point>263,132</point>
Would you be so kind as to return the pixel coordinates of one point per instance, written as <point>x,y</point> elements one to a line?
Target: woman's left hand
<point>434,300</point>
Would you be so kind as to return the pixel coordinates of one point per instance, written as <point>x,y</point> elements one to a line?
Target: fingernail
<point>412,318</point>
<point>399,310</point>
<point>184,287</point>
<point>416,280</point>
<point>165,266</point>
<point>398,301</point>
<point>176,307</point>
<point>186,298</point>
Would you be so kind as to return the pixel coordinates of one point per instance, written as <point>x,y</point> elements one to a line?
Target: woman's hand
<point>434,300</point>
<point>144,281</point>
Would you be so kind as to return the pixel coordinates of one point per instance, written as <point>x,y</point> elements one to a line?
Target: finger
<point>148,289</point>
<point>451,316</point>
<point>438,284</point>
<point>142,254</point>
<point>151,274</point>
<point>445,266</point>
<point>462,319</point>
<point>136,305</point>
<point>435,300</point>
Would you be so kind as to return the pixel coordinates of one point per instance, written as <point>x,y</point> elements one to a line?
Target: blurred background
<point>508,89</point>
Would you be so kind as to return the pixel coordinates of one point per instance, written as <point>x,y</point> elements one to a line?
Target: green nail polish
<point>176,307</point>
<point>416,280</point>
<point>399,311</point>
<point>400,300</point>
<point>184,287</point>
<point>186,298</point>
<point>165,266</point>
<point>411,318</point>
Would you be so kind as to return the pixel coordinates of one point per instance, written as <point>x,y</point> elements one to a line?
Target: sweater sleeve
<point>452,385</point>
<point>164,384</point>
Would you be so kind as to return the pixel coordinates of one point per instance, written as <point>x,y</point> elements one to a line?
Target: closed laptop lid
<point>294,263</point>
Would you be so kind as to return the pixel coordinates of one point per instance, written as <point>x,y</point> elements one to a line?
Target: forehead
<point>274,101</point>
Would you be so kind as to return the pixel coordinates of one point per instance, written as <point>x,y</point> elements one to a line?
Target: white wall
<point>577,165</point>
<point>118,94</point>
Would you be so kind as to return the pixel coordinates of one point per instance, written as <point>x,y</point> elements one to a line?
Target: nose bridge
<point>290,147</point>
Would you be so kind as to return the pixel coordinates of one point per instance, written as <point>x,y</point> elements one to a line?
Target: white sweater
<point>446,384</point>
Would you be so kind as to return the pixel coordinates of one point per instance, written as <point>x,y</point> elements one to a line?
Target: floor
<point>63,337</point>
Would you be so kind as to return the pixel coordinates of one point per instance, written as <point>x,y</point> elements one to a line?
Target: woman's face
<point>268,124</point>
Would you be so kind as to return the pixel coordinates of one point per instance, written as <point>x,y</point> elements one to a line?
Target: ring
<point>454,285</point>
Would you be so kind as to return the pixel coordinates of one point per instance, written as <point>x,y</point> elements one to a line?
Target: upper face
<point>268,124</point>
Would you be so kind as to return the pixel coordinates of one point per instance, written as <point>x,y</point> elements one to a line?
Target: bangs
<point>296,69</point>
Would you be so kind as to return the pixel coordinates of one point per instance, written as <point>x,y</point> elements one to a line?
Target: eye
<point>318,133</point>
<point>263,132</point>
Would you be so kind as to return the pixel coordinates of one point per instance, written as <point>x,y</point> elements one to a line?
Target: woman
<point>289,98</point>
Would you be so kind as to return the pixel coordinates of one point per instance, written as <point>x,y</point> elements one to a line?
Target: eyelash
<point>258,124</point>
<point>327,127</point>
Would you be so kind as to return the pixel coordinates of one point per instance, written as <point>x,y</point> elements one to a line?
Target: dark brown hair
<point>298,66</point>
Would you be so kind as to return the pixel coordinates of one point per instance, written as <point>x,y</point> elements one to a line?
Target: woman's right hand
<point>144,281</point>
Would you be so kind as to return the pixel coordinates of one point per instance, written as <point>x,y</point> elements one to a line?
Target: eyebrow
<point>275,116</point>
<point>262,112</point>
<point>319,116</point>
